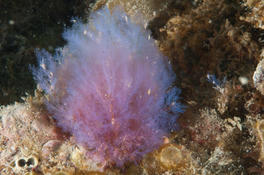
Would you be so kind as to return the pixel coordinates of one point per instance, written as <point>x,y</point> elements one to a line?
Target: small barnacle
<point>32,161</point>
<point>26,162</point>
<point>21,162</point>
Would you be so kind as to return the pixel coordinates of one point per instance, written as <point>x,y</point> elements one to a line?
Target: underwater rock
<point>255,13</point>
<point>258,77</point>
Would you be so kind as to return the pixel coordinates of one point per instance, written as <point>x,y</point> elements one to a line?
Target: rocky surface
<point>215,47</point>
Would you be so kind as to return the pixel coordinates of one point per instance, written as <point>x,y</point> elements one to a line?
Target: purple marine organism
<point>110,88</point>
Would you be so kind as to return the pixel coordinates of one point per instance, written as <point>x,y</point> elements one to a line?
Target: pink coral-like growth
<point>108,87</point>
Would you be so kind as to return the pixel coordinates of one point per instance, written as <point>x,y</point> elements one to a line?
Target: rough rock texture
<point>30,141</point>
<point>255,13</point>
<point>215,48</point>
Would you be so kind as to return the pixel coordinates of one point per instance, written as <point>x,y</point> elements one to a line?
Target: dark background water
<point>24,26</point>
